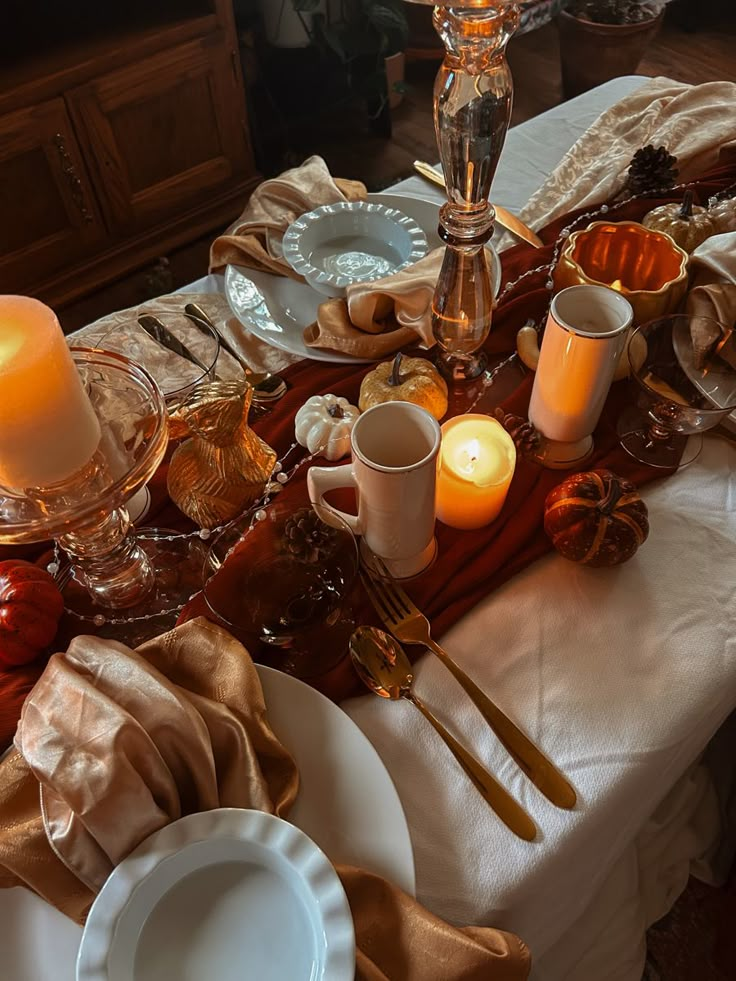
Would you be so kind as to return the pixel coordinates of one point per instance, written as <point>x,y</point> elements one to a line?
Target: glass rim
<point>652,392</point>
<point>335,522</point>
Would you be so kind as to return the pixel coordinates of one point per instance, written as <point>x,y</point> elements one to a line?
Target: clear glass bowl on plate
<point>285,583</point>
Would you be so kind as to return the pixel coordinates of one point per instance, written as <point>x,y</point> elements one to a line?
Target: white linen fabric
<point>622,676</point>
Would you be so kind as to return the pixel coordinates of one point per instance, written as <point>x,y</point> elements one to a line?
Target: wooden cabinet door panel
<point>166,132</point>
<point>48,212</point>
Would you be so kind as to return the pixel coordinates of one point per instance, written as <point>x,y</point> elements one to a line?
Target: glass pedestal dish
<point>115,578</point>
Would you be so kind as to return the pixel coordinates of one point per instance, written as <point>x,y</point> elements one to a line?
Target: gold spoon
<point>384,667</point>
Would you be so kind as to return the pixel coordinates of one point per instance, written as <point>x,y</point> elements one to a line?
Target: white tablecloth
<point>621,675</point>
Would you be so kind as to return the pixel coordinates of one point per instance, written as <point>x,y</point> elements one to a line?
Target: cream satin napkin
<point>254,239</point>
<point>697,123</point>
<point>121,742</point>
<point>713,295</point>
<point>378,318</point>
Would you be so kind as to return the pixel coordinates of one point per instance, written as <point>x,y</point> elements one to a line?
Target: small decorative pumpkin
<point>723,216</point>
<point>596,518</point>
<point>405,380</point>
<point>30,609</point>
<point>688,225</point>
<point>323,425</point>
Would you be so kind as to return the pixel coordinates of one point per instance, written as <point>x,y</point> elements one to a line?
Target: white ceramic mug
<point>586,331</point>
<point>393,471</point>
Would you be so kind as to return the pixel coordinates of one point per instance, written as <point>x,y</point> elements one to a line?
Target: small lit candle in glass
<point>48,428</point>
<point>475,466</point>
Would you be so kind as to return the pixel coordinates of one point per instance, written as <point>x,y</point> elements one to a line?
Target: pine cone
<point>525,436</point>
<point>651,170</point>
<point>308,538</point>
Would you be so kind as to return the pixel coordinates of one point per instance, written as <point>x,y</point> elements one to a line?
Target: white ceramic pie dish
<point>351,242</point>
<point>227,894</point>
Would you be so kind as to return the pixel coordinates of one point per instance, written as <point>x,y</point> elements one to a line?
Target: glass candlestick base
<point>113,574</point>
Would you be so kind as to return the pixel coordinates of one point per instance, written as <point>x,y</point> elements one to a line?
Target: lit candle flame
<point>468,457</point>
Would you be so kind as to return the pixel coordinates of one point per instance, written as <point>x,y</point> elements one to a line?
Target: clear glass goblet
<point>683,389</point>
<point>175,373</point>
<point>284,581</point>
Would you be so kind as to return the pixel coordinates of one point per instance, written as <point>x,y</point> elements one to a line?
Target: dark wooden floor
<point>352,150</point>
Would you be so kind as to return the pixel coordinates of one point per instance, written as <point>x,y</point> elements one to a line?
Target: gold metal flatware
<point>267,387</point>
<point>408,624</point>
<point>384,667</point>
<point>505,218</point>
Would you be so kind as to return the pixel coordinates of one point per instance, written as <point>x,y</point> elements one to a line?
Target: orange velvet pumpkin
<point>30,609</point>
<point>596,518</point>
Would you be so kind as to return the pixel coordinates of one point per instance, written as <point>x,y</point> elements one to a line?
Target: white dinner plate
<point>276,309</point>
<point>347,804</point>
<point>228,894</point>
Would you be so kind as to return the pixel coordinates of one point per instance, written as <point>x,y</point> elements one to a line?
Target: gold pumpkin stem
<point>686,211</point>
<point>395,378</point>
<point>608,504</point>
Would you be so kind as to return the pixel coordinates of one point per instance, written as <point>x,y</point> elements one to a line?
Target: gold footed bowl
<point>647,267</point>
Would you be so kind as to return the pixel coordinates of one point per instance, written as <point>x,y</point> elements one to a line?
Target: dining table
<point>625,677</point>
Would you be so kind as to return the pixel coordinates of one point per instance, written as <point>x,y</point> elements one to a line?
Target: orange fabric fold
<point>114,743</point>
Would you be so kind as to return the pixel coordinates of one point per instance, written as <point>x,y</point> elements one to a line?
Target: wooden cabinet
<point>49,212</point>
<point>164,133</point>
<point>119,143</point>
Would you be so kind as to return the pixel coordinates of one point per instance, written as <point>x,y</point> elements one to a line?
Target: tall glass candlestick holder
<point>114,573</point>
<point>472,108</point>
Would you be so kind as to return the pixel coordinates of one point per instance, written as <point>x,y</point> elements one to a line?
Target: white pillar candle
<point>48,428</point>
<point>475,466</point>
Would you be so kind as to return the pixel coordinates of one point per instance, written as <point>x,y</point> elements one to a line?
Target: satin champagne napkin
<point>689,120</point>
<point>254,239</point>
<point>122,742</point>
<point>713,295</point>
<point>378,318</point>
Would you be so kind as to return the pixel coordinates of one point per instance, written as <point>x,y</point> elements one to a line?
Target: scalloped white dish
<point>276,309</point>
<point>352,242</point>
<point>225,894</point>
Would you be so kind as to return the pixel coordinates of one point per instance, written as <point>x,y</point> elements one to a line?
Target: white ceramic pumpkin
<point>323,425</point>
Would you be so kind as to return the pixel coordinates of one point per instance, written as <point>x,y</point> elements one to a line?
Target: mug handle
<point>320,480</point>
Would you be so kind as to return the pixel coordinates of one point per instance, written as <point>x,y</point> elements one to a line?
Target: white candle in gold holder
<point>48,428</point>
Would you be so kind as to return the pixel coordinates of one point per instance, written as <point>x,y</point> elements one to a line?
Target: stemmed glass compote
<point>683,389</point>
<point>115,575</point>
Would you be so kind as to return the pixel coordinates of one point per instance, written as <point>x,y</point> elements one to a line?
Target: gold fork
<point>408,624</point>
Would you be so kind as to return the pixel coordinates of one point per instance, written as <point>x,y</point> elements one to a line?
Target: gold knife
<point>505,218</point>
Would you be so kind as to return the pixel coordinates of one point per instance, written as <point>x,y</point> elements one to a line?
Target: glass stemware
<point>175,375</point>
<point>285,581</point>
<point>683,390</point>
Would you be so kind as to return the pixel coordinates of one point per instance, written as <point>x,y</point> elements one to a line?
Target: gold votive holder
<point>647,267</point>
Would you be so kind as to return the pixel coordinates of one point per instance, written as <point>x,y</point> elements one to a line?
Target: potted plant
<point>602,39</point>
<point>368,37</point>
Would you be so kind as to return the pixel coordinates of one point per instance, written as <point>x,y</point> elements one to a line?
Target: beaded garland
<point>282,474</point>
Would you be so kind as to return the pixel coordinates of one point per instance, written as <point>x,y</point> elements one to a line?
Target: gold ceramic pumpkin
<point>688,225</point>
<point>405,380</point>
<point>723,216</point>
